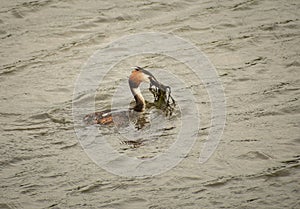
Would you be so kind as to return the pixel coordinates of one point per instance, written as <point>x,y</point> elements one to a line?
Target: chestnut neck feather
<point>139,99</point>
<point>134,82</point>
<point>139,103</point>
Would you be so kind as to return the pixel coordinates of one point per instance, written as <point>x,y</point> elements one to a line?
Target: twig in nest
<point>162,97</point>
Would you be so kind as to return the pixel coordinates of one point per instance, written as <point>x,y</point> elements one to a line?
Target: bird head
<point>139,75</point>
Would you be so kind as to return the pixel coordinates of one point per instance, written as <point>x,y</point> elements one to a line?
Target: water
<point>254,46</point>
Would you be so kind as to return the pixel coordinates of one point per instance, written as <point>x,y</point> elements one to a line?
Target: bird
<point>122,117</point>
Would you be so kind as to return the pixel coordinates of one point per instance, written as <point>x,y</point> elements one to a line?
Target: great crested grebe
<point>119,117</point>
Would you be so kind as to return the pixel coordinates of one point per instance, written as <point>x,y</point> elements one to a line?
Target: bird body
<point>121,117</point>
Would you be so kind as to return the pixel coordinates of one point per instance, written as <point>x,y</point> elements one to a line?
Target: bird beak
<point>159,85</point>
<point>153,80</point>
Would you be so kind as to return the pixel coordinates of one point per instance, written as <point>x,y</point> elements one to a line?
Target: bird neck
<point>139,99</point>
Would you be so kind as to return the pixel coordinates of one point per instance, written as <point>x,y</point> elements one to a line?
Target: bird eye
<point>137,68</point>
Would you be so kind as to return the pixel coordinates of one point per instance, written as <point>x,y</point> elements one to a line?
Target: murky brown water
<point>254,47</point>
